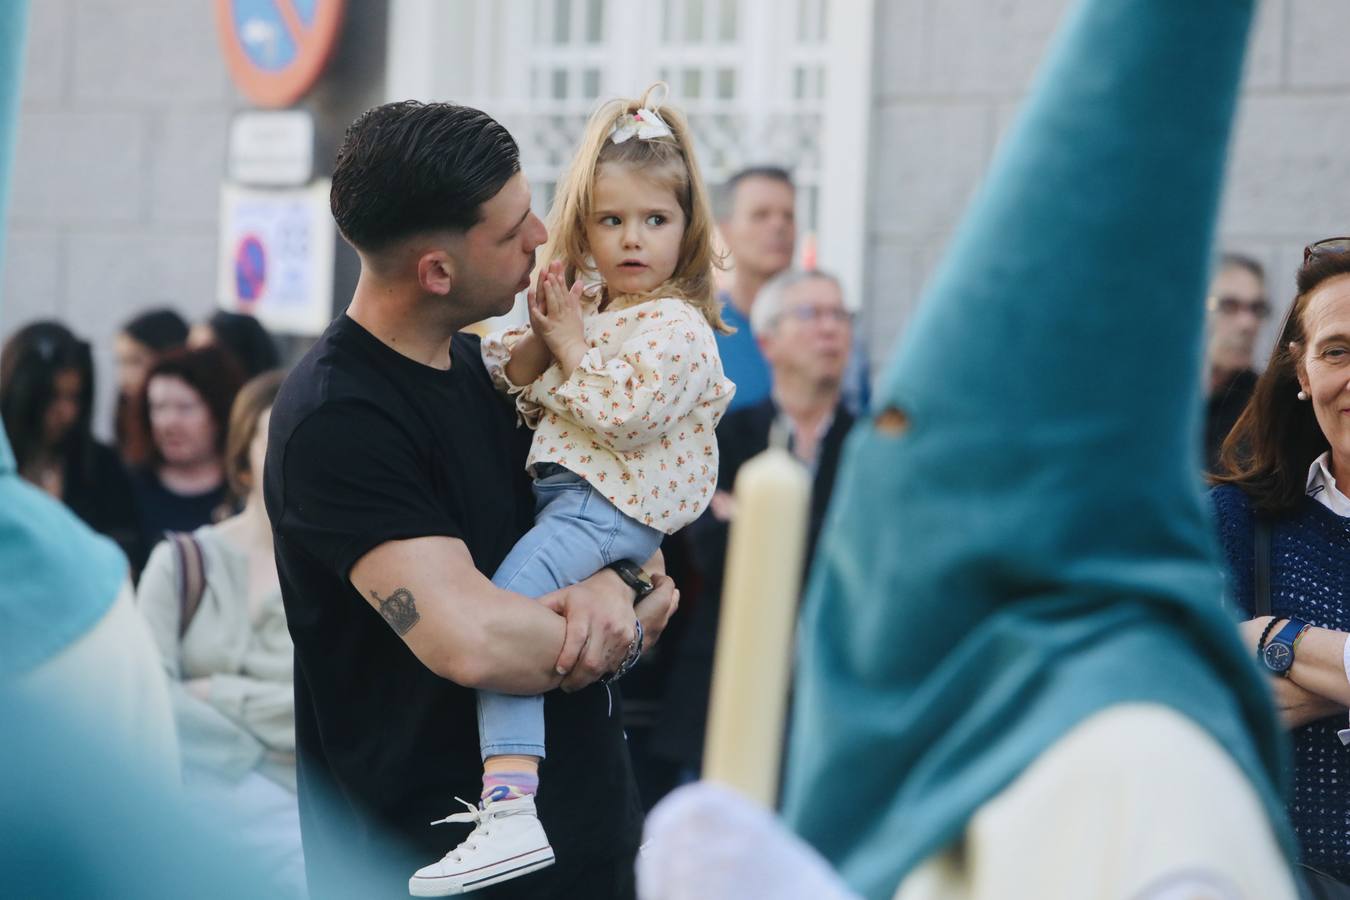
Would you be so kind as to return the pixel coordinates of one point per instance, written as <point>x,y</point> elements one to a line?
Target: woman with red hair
<point>184,410</point>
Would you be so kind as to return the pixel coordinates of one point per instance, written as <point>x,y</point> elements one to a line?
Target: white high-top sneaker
<point>507,841</point>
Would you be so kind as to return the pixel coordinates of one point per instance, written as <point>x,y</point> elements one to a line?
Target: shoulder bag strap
<point>191,578</point>
<point>1261,552</point>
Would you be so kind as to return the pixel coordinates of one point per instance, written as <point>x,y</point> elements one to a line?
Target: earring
<point>1303,395</point>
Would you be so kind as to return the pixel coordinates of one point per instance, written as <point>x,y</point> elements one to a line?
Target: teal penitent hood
<point>57,577</point>
<point>1034,547</point>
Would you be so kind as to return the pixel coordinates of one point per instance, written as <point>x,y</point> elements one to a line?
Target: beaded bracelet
<point>1265,635</point>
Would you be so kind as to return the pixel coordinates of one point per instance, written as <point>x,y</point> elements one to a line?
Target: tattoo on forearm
<point>399,610</point>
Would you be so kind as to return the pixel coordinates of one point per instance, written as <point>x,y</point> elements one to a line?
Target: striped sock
<point>509,785</point>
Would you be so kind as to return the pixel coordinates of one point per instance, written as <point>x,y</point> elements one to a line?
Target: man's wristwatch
<point>633,576</point>
<point>1278,654</point>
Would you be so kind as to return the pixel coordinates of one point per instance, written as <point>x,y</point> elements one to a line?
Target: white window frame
<point>430,59</point>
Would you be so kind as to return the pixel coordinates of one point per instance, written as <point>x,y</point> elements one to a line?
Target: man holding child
<point>395,479</point>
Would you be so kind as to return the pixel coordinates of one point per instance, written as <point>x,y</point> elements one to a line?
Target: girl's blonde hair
<point>668,160</point>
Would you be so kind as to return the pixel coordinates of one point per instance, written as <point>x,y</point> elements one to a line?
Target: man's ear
<point>436,272</point>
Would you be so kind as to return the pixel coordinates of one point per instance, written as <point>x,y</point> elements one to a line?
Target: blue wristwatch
<point>1278,653</point>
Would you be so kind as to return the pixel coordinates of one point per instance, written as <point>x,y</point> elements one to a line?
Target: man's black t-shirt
<point>368,446</point>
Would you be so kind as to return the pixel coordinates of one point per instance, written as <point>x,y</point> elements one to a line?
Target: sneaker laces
<point>475,814</point>
<point>479,815</point>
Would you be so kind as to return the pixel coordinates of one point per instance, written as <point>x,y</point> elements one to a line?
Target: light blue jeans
<point>576,533</point>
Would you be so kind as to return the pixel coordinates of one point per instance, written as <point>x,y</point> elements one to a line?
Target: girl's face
<point>180,421</point>
<point>65,407</point>
<point>1324,367</point>
<point>635,231</point>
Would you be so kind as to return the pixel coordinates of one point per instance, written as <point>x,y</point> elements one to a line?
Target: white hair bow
<point>589,276</point>
<point>645,123</point>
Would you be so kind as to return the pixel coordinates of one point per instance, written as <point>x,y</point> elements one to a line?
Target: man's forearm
<point>523,645</point>
<point>455,621</point>
<point>517,646</point>
<point>465,629</point>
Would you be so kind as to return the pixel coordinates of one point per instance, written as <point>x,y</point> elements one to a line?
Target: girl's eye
<point>610,220</point>
<point>656,219</point>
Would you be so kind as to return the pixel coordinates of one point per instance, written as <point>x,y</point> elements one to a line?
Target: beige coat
<point>249,721</point>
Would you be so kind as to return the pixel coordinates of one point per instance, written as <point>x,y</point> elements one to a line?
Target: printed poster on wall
<point>276,256</point>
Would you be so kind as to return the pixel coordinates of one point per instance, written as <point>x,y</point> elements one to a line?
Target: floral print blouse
<point>636,416</point>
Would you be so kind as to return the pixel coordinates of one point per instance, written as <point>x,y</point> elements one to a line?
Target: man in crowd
<point>757,221</point>
<point>805,331</point>
<point>759,226</point>
<point>1237,306</point>
<point>395,478</point>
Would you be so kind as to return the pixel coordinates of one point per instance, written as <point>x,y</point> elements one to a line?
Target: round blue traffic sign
<point>276,49</point>
<point>250,269</point>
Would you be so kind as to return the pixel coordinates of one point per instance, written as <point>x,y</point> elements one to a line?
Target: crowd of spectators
<point>178,485</point>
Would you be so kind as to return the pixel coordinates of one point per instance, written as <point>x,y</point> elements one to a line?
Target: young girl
<point>620,378</point>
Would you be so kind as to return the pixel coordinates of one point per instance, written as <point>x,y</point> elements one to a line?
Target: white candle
<point>753,661</point>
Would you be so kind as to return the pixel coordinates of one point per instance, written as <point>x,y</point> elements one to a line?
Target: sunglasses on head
<point>1231,306</point>
<point>1326,247</point>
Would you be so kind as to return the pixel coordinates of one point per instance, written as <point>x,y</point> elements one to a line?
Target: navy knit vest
<point>1309,579</point>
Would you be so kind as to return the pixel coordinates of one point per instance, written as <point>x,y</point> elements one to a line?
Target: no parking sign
<point>276,256</point>
<point>250,270</point>
<point>276,49</point>
<point>276,245</point>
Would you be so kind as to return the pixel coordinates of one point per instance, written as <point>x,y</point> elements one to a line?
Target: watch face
<point>1277,657</point>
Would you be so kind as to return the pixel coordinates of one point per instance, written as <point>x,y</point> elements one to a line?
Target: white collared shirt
<point>1322,486</point>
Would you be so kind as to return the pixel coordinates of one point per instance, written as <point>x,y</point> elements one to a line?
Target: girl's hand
<point>534,298</point>
<point>555,315</point>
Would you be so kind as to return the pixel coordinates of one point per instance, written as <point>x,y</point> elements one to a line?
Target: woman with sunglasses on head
<point>46,400</point>
<point>1285,525</point>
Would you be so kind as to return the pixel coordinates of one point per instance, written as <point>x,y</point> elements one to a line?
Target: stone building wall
<point>121,153</point>
<point>950,75</point>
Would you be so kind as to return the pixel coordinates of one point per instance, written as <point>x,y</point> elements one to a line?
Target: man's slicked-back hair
<point>409,167</point>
